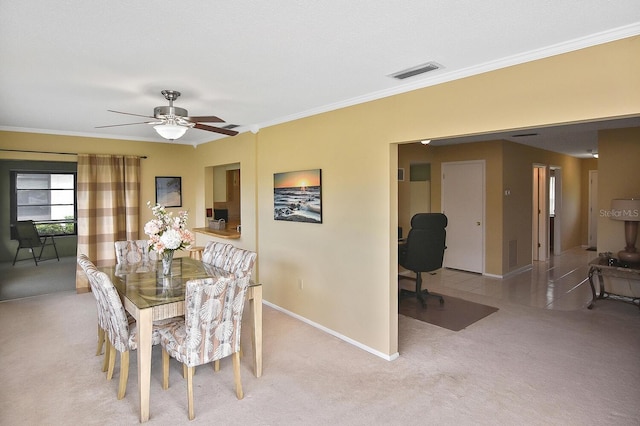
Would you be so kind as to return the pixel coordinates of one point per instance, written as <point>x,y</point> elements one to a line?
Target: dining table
<point>149,296</point>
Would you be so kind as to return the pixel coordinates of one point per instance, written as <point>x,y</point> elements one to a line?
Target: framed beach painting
<point>297,196</point>
<point>169,191</point>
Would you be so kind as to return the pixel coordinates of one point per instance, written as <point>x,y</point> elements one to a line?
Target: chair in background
<point>119,334</point>
<point>210,330</point>
<point>134,251</point>
<point>423,250</point>
<point>215,253</point>
<point>28,238</point>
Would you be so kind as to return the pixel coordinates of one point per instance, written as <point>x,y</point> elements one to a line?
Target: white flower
<point>171,239</point>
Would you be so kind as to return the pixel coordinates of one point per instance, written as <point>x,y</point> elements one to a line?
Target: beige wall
<point>349,263</point>
<point>618,177</point>
<point>160,161</point>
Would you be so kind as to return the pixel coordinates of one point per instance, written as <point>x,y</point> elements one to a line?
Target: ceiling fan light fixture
<point>170,131</point>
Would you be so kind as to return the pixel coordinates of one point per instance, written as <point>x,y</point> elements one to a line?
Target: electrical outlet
<point>300,283</point>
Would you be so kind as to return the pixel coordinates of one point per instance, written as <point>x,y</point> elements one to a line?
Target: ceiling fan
<point>173,122</point>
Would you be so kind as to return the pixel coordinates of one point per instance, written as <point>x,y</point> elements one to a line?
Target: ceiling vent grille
<point>230,126</point>
<point>417,70</point>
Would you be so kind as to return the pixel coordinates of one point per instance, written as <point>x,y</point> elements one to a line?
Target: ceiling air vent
<point>229,126</point>
<point>420,69</point>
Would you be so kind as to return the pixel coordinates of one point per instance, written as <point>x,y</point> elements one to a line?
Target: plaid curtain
<point>108,206</point>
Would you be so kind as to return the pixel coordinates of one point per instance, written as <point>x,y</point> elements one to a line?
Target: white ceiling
<point>64,63</point>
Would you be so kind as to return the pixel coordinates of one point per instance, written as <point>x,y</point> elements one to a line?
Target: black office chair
<point>423,251</point>
<point>28,238</point>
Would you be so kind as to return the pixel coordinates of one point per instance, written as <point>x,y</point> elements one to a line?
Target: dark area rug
<point>455,314</point>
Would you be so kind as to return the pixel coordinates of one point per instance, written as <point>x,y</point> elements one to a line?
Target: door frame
<point>540,213</point>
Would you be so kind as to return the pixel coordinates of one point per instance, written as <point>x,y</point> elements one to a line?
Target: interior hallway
<point>561,283</point>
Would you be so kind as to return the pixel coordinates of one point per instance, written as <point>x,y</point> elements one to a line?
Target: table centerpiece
<point>167,234</point>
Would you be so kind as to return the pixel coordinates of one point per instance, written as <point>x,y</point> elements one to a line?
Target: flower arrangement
<point>167,233</point>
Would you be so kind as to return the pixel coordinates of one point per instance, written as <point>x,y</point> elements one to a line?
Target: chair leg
<point>165,369</point>
<point>107,350</point>
<point>16,256</point>
<point>100,340</point>
<point>190,392</point>
<point>112,361</point>
<point>216,363</point>
<point>236,374</point>
<point>422,294</point>
<point>124,374</point>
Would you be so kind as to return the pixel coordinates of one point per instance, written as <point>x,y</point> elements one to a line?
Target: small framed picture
<point>400,175</point>
<point>169,191</point>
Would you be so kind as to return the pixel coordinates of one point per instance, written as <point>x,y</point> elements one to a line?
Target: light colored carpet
<point>518,366</point>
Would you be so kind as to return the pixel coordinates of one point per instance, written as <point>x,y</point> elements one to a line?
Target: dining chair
<point>215,253</point>
<point>134,251</point>
<point>232,259</point>
<point>239,261</point>
<point>89,268</point>
<point>210,330</point>
<point>120,335</point>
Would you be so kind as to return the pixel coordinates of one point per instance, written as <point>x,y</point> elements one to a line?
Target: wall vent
<point>419,69</point>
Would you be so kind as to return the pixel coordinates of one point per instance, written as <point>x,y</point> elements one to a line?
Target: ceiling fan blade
<point>215,129</point>
<point>205,119</point>
<point>126,124</point>
<point>128,113</point>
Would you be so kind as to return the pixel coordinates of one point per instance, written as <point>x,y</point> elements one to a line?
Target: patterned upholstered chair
<point>215,253</point>
<point>89,268</point>
<point>229,258</point>
<point>112,318</point>
<point>134,251</point>
<point>239,261</point>
<point>210,330</point>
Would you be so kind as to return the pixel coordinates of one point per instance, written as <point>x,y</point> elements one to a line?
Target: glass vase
<point>167,260</point>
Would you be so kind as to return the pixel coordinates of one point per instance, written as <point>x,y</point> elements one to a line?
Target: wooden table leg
<point>255,302</point>
<point>145,327</point>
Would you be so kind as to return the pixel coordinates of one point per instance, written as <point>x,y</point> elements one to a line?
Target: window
<point>47,198</point>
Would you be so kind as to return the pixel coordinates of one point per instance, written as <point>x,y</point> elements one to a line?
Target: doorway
<point>555,210</point>
<point>540,214</point>
<point>593,210</point>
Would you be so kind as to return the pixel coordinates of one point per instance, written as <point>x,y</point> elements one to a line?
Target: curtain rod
<point>50,152</point>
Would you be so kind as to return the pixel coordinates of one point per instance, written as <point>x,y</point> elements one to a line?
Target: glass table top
<point>145,286</point>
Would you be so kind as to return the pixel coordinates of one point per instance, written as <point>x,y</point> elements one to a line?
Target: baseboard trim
<point>334,333</point>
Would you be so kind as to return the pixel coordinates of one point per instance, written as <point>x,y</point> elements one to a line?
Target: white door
<point>593,209</point>
<point>463,204</point>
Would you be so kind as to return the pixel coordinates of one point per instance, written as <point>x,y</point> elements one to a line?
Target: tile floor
<point>561,283</point>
